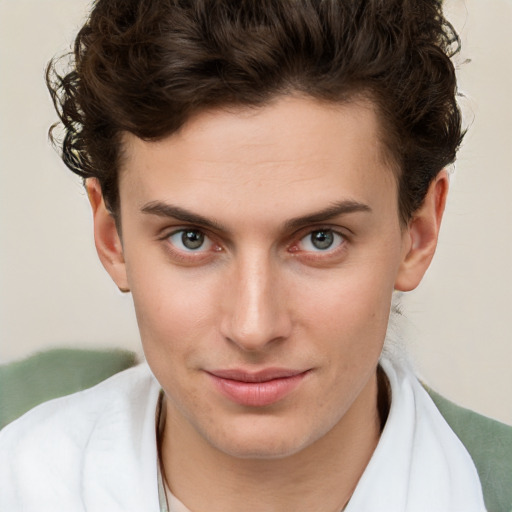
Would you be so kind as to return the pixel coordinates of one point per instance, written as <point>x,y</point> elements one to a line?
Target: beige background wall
<point>53,291</point>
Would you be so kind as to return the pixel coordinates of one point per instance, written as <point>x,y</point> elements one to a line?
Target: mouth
<point>257,389</point>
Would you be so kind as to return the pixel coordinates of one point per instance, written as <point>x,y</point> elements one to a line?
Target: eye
<point>190,240</point>
<point>321,240</point>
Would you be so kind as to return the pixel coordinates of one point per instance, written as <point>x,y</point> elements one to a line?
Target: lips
<point>257,389</point>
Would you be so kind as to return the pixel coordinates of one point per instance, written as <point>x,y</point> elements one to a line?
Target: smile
<point>257,389</point>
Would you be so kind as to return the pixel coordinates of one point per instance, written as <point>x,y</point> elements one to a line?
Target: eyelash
<point>335,237</point>
<point>190,255</point>
<point>320,256</point>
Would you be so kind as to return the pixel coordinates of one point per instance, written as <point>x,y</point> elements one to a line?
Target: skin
<point>259,294</point>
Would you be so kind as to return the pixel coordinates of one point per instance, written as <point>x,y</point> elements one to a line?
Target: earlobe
<point>420,237</point>
<point>106,236</point>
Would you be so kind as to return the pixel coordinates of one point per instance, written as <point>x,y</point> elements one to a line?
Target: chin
<point>264,442</point>
<point>267,450</point>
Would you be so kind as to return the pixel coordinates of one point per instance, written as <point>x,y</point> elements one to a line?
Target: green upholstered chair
<point>58,372</point>
<point>489,443</point>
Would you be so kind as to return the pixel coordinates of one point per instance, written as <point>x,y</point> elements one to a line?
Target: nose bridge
<point>257,314</point>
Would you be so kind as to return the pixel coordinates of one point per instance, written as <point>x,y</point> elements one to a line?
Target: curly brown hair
<point>146,66</point>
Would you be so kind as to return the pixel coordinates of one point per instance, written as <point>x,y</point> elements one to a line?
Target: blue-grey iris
<point>192,239</point>
<point>322,239</point>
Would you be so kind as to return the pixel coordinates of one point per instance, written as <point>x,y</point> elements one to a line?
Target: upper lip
<point>258,376</point>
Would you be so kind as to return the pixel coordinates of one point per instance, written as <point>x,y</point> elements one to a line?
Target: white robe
<point>95,451</point>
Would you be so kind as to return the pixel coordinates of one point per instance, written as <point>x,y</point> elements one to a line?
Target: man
<point>263,176</point>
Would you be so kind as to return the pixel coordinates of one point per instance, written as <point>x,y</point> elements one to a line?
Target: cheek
<point>347,321</point>
<point>174,309</point>
<point>175,324</point>
<point>351,302</point>
<point>347,317</point>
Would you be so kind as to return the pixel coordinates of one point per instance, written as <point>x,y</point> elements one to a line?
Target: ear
<point>420,236</point>
<point>106,237</point>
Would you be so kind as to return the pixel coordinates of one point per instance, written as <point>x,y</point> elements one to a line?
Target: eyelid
<point>318,254</point>
<point>184,254</point>
<point>172,230</point>
<point>204,247</point>
<point>336,240</point>
<point>345,233</point>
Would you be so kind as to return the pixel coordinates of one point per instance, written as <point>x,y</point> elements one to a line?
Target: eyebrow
<point>337,209</point>
<point>334,210</point>
<point>175,212</point>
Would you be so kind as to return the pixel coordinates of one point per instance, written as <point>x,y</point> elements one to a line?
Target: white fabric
<point>419,465</point>
<point>95,451</point>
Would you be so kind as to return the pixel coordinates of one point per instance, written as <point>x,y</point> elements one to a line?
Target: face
<point>262,247</point>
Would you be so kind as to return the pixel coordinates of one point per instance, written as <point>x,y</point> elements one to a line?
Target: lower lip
<point>257,394</point>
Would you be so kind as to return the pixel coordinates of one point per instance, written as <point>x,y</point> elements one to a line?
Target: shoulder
<point>489,443</point>
<point>49,448</point>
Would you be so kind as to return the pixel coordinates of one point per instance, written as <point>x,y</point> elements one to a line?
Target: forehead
<point>292,151</point>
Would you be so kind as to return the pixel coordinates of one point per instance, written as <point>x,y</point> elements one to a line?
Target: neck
<point>326,472</point>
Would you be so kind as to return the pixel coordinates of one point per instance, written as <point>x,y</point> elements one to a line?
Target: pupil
<point>192,239</point>
<point>322,239</point>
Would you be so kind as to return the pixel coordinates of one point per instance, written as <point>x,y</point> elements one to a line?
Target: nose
<point>256,314</point>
